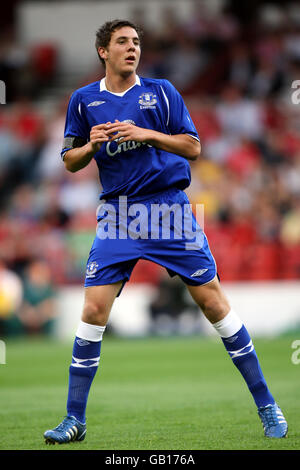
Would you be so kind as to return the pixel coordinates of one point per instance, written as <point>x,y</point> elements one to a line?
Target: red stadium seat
<point>44,60</point>
<point>146,272</point>
<point>290,262</point>
<point>264,261</point>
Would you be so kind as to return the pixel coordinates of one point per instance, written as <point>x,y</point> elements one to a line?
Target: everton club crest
<point>147,101</point>
<point>91,269</point>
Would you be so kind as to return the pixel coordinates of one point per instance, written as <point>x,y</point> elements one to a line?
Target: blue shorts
<point>160,228</point>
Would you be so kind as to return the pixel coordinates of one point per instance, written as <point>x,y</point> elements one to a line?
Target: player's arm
<point>80,155</point>
<point>180,144</point>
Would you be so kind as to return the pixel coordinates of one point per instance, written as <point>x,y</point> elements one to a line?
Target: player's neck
<point>118,83</point>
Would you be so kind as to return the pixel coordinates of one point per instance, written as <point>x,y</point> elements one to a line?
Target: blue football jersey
<point>133,168</point>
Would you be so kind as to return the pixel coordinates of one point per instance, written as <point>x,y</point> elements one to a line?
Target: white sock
<point>229,325</point>
<point>90,332</point>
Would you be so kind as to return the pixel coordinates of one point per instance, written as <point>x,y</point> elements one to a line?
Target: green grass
<point>156,394</point>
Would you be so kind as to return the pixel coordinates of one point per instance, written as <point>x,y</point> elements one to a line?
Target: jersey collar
<point>103,86</point>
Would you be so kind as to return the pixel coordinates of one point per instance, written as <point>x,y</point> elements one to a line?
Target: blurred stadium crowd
<point>236,77</point>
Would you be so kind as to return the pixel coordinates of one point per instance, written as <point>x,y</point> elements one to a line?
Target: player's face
<point>123,52</point>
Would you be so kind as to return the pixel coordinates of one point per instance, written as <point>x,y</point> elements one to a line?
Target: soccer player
<point>141,136</point>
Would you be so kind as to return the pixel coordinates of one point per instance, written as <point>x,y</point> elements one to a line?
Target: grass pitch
<point>148,394</point>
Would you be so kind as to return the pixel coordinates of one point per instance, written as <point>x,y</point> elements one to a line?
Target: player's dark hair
<point>104,33</point>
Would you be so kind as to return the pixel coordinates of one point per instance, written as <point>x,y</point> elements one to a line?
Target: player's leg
<point>211,299</point>
<point>189,256</point>
<point>237,341</point>
<point>85,360</point>
<point>87,345</point>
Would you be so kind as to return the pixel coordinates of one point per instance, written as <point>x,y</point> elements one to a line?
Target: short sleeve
<point>178,118</point>
<point>75,125</point>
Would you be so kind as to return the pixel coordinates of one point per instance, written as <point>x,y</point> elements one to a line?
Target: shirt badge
<point>147,100</point>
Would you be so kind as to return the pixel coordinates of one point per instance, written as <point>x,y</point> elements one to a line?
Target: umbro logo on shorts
<point>199,272</point>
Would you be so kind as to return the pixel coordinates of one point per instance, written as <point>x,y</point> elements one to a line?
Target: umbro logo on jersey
<point>96,103</point>
<point>199,272</point>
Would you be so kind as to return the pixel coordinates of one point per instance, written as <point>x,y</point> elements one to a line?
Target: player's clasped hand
<point>125,131</point>
<point>121,131</point>
<point>98,136</point>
